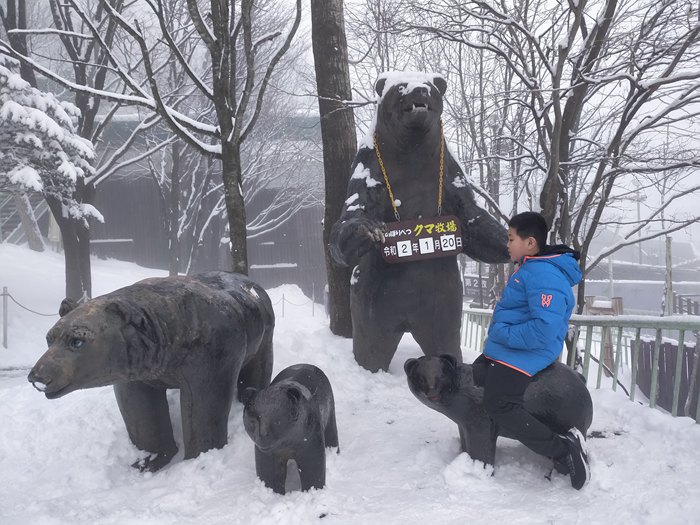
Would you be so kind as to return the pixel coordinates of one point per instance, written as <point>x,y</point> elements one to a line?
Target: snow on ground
<point>67,461</point>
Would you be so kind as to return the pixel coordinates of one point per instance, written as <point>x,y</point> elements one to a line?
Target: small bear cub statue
<point>293,418</point>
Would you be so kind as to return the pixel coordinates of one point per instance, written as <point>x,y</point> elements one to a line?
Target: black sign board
<point>420,239</point>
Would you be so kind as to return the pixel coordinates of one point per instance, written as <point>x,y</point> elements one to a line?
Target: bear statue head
<point>432,379</point>
<point>272,415</point>
<point>445,385</point>
<point>93,344</point>
<point>409,102</point>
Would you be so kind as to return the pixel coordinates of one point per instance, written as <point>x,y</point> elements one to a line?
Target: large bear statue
<point>423,297</point>
<point>557,396</point>
<point>207,335</point>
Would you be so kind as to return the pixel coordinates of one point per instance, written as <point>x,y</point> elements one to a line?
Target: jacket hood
<point>563,258</point>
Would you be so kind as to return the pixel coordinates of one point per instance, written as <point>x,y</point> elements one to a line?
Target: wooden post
<point>4,316</point>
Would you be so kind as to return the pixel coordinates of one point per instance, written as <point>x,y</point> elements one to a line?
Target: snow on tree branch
<point>39,148</point>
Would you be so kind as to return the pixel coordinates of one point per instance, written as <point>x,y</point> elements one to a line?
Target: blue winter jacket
<point>531,319</point>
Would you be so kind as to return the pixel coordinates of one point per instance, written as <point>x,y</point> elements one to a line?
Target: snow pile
<point>67,461</point>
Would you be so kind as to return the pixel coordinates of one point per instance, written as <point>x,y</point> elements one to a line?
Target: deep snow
<point>67,461</point>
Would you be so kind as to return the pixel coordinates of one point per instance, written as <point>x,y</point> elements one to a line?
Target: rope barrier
<point>28,309</point>
<point>295,304</point>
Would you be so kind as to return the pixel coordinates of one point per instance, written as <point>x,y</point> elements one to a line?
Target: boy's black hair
<point>530,224</point>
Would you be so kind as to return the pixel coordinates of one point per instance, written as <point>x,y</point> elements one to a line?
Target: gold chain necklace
<point>386,178</point>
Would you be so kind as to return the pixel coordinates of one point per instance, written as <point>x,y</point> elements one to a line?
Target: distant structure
<point>134,228</point>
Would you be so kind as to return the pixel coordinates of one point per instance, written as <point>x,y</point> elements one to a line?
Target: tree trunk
<point>231,166</point>
<point>339,141</point>
<point>29,225</point>
<point>174,222</point>
<point>76,251</point>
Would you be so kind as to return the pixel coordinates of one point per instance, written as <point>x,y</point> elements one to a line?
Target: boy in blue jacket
<point>527,335</point>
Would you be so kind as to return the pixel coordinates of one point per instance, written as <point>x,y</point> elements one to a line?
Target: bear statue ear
<point>67,305</point>
<point>409,365</point>
<point>450,359</point>
<point>248,394</point>
<point>294,394</point>
<point>379,86</point>
<point>441,84</point>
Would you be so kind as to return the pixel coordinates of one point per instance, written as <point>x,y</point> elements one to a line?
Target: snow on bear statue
<point>423,297</point>
<point>207,335</point>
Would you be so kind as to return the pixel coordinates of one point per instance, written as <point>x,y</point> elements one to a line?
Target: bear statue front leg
<point>479,441</point>
<point>374,333</point>
<point>311,464</point>
<point>147,419</point>
<point>271,469</point>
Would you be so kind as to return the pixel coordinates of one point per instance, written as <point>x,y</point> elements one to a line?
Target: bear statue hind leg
<point>147,419</point>
<point>436,340</point>
<point>205,404</point>
<point>373,348</point>
<point>437,322</point>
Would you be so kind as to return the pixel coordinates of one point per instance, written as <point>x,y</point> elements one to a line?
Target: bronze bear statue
<point>423,297</point>
<point>292,419</point>
<point>206,335</point>
<point>557,396</point>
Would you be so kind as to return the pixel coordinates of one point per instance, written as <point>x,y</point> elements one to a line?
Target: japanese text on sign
<point>422,239</point>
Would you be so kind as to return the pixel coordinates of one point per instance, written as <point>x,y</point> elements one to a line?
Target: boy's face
<point>519,247</point>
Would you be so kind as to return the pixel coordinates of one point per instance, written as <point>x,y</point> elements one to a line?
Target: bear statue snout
<point>37,381</point>
<point>51,377</point>
<point>433,395</point>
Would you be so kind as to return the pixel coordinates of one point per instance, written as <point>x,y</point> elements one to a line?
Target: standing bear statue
<point>292,419</point>
<point>405,178</point>
<point>557,396</point>
<point>206,335</point>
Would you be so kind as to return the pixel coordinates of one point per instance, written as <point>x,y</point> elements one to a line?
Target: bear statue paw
<point>361,234</point>
<point>153,462</point>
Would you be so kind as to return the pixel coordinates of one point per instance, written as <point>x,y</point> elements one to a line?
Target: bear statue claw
<point>354,237</point>
<point>153,462</point>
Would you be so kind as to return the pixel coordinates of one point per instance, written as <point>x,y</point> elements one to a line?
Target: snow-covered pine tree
<point>39,148</point>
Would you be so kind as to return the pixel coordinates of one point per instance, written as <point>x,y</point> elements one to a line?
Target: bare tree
<point>339,142</point>
<point>240,43</point>
<point>274,164</point>
<point>598,81</point>
<point>83,56</point>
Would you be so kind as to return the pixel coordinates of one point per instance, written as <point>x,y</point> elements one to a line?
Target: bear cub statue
<point>557,396</point>
<point>293,418</point>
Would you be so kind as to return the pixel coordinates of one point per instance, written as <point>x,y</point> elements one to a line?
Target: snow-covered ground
<point>67,461</point>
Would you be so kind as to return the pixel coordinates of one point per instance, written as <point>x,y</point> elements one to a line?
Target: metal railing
<point>631,334</point>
